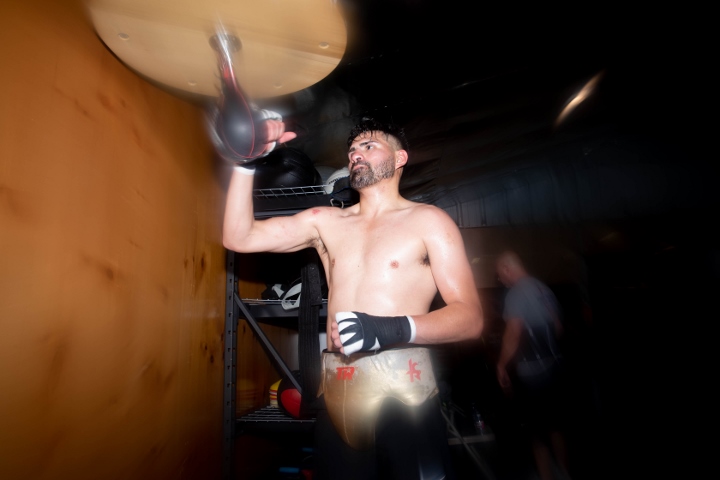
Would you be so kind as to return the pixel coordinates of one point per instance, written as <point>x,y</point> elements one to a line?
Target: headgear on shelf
<point>285,167</point>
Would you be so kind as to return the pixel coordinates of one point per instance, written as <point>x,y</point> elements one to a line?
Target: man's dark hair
<point>368,124</point>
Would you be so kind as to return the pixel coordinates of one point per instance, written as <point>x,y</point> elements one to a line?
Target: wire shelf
<point>264,302</point>
<point>272,420</point>
<point>260,301</point>
<point>271,414</point>
<point>290,192</point>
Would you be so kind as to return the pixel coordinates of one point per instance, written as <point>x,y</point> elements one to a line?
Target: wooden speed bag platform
<point>285,45</point>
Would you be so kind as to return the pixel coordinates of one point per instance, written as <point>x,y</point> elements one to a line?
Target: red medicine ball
<point>289,399</point>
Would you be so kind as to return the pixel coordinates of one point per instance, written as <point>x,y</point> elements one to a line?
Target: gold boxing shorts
<point>355,387</point>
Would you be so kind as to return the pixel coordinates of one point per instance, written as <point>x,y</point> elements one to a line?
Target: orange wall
<point>111,266</point>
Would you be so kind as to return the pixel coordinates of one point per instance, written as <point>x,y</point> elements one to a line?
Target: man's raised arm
<point>241,232</point>
<point>239,216</point>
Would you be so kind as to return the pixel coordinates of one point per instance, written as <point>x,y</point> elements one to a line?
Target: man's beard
<point>365,177</point>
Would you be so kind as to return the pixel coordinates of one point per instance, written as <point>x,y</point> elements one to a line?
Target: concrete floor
<point>501,455</point>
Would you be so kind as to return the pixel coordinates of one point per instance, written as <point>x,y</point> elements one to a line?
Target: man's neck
<point>378,198</point>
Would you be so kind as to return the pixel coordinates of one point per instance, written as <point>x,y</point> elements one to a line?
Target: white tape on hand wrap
<point>363,332</point>
<point>270,115</point>
<point>244,170</point>
<point>412,328</point>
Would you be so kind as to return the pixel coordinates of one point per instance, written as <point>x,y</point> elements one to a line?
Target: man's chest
<point>355,244</point>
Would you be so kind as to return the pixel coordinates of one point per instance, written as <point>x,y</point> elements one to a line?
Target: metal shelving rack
<point>268,203</point>
<point>273,202</point>
<point>267,420</point>
<point>236,309</point>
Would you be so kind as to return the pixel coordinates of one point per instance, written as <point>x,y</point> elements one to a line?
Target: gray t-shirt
<point>535,304</point>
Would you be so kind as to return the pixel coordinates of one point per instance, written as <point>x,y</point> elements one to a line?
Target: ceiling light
<point>578,98</point>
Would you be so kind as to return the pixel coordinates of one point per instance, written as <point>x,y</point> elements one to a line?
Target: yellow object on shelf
<point>273,393</point>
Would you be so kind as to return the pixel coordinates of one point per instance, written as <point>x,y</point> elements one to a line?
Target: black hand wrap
<point>360,332</point>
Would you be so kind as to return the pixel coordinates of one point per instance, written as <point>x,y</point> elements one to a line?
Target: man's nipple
<point>394,264</point>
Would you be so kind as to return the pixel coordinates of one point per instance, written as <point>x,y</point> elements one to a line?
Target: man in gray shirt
<point>529,367</point>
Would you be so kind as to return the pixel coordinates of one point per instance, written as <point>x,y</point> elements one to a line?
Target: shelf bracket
<point>267,345</point>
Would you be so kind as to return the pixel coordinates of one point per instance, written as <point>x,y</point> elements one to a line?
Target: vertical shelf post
<point>230,368</point>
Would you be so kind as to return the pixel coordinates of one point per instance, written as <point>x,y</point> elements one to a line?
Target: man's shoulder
<point>416,212</point>
<point>521,289</point>
<point>536,283</point>
<point>321,212</point>
<point>428,211</point>
<point>526,284</point>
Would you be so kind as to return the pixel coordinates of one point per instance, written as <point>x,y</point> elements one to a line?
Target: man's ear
<point>401,158</point>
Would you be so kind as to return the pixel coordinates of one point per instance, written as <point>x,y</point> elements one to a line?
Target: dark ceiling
<point>478,88</point>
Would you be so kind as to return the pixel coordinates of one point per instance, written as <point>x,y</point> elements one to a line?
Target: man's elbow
<point>232,243</point>
<point>229,242</point>
<point>477,324</point>
<point>476,329</point>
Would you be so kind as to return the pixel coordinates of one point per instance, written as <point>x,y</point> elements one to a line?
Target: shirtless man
<point>385,259</point>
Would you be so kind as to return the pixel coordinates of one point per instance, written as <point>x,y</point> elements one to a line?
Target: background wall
<point>111,265</point>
